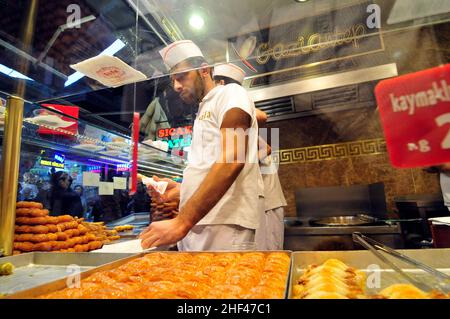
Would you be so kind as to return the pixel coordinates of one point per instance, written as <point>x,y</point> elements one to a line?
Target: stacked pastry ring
<point>162,211</point>
<point>35,230</point>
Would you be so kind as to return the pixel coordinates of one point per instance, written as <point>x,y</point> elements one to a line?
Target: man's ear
<point>205,70</point>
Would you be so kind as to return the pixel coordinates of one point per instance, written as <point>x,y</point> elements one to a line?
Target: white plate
<point>89,147</point>
<point>112,153</point>
<point>50,120</point>
<point>118,144</point>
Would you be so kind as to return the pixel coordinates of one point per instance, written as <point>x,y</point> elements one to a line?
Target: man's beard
<point>197,93</point>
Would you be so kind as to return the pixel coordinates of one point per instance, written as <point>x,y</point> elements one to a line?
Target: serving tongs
<point>374,247</point>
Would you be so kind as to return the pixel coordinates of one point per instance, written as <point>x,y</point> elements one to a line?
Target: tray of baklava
<point>171,275</point>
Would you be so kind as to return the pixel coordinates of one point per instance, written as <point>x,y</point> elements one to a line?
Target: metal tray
<point>61,283</point>
<point>37,268</point>
<point>340,221</point>
<point>362,260</point>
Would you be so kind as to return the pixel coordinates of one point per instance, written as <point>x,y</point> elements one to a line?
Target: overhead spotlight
<point>196,22</point>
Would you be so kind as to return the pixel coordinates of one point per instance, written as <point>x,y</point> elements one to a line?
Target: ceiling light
<point>196,22</point>
<point>13,73</point>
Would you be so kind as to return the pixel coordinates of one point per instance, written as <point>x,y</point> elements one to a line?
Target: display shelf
<point>96,143</point>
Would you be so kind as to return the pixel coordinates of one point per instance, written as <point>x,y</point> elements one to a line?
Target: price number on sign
<point>441,121</point>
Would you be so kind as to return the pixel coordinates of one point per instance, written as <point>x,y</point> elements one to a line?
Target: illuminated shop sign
<point>176,137</point>
<point>334,36</point>
<point>174,131</point>
<point>123,167</point>
<point>57,161</point>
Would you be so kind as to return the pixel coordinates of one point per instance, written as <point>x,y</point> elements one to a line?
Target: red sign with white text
<point>72,129</point>
<point>415,114</point>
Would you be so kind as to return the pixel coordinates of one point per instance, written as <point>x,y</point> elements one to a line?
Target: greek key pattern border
<point>330,151</point>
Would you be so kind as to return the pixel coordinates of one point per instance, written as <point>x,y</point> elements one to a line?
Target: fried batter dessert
<point>184,275</point>
<point>123,228</point>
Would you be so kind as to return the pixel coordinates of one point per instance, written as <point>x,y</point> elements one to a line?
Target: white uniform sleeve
<point>234,96</point>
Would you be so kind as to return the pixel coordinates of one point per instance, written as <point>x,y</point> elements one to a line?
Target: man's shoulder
<point>233,88</point>
<point>234,92</point>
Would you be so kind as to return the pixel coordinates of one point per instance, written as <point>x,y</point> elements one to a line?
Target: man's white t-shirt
<point>273,192</point>
<point>238,206</point>
<point>445,188</point>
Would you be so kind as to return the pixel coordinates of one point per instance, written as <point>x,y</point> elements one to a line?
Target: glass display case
<point>312,66</point>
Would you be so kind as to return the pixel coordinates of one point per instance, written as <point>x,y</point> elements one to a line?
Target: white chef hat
<point>230,70</point>
<point>179,51</point>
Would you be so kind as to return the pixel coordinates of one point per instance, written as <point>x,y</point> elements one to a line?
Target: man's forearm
<point>215,185</point>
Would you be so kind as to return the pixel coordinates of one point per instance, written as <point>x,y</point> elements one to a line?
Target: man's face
<point>188,84</point>
<point>64,181</point>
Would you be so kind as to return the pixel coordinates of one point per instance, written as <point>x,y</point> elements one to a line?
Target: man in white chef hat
<point>270,233</point>
<point>218,195</point>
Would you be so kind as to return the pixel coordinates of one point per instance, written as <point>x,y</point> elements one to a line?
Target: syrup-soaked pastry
<point>23,246</point>
<point>29,205</point>
<point>37,229</point>
<point>186,275</point>
<point>31,212</point>
<point>35,238</point>
<point>37,220</point>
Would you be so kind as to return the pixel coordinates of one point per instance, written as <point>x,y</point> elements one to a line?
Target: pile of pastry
<point>335,280</point>
<point>35,230</point>
<point>189,276</point>
<point>101,232</point>
<point>163,210</point>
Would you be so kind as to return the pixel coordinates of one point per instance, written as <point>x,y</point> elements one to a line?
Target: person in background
<point>140,201</point>
<point>29,186</point>
<point>43,193</point>
<point>444,177</point>
<point>80,191</point>
<point>63,199</point>
<point>28,194</point>
<point>106,208</point>
<point>270,234</point>
<point>19,192</point>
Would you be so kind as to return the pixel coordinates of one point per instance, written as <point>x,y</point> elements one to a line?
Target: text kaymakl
<point>439,92</point>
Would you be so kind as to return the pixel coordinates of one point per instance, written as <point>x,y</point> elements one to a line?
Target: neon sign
<point>57,161</point>
<point>176,137</point>
<point>123,167</point>
<point>175,131</point>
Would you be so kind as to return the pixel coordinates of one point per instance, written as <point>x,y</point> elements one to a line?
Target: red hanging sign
<point>71,129</point>
<point>135,139</point>
<point>415,114</point>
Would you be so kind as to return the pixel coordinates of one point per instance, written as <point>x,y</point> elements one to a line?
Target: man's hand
<point>172,193</point>
<point>165,232</point>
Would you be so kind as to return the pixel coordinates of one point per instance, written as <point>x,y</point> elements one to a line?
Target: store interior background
<point>412,50</point>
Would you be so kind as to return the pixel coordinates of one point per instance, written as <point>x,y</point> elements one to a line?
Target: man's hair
<point>226,80</point>
<point>195,63</point>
